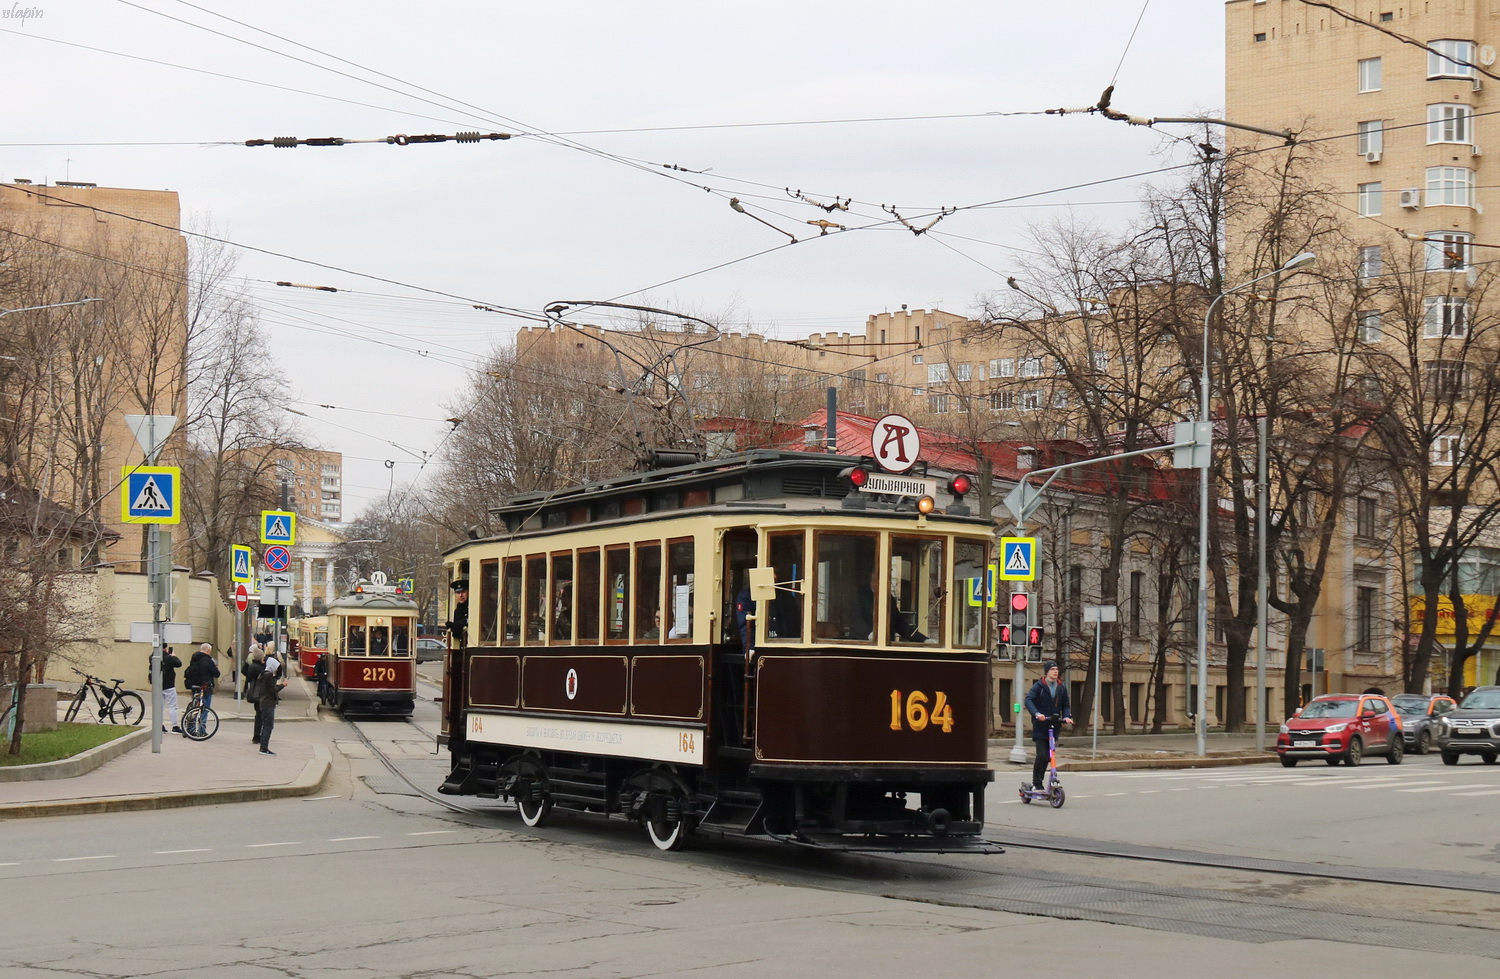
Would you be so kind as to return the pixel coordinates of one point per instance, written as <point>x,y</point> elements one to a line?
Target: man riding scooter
<point>1050,708</point>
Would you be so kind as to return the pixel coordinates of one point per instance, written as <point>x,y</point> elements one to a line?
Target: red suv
<point>1342,727</point>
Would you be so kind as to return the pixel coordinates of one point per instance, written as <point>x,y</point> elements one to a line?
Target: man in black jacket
<point>170,664</point>
<point>254,666</point>
<point>458,624</point>
<point>269,687</point>
<point>201,673</point>
<point>1050,708</point>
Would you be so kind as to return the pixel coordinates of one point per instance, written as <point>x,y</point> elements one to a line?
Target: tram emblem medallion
<point>895,443</point>
<point>570,687</point>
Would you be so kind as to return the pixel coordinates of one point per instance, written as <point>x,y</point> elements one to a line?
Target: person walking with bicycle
<point>1050,708</point>
<point>201,673</point>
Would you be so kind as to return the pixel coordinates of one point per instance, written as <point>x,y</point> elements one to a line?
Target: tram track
<point>1155,888</point>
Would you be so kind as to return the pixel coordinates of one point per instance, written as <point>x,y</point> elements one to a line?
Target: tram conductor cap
<point>462,584</point>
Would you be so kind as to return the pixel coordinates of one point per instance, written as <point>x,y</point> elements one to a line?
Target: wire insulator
<point>284,142</point>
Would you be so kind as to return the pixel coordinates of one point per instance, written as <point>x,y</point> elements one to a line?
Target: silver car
<point>1420,714</point>
<point>429,649</point>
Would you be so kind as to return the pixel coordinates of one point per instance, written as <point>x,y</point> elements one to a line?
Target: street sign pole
<point>1098,614</point>
<point>151,431</point>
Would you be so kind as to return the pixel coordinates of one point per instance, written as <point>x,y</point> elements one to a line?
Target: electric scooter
<point>1052,791</point>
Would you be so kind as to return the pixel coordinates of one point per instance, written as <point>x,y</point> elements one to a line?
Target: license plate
<point>1304,744</point>
<point>1468,734</point>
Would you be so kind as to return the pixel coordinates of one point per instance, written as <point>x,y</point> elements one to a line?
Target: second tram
<point>371,634</point>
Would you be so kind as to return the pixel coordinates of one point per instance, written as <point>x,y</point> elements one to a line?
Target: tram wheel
<point>667,829</point>
<point>534,807</point>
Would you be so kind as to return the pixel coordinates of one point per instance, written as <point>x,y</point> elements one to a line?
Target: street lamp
<point>1200,722</point>
<point>71,302</point>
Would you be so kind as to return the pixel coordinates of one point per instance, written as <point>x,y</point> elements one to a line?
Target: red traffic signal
<point>1034,636</point>
<point>1005,635</point>
<point>858,476</point>
<point>1020,601</point>
<point>959,485</point>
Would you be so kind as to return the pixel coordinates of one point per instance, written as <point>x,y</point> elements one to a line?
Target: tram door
<point>733,683</point>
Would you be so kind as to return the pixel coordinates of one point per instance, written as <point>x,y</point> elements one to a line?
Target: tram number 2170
<point>917,716</point>
<point>379,674</point>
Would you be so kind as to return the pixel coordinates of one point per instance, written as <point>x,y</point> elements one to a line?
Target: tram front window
<point>971,583</point>
<point>785,610</point>
<point>918,571</point>
<point>844,602</point>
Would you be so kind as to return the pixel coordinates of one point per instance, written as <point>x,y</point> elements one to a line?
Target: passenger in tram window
<point>653,631</point>
<point>357,639</point>
<point>379,641</point>
<point>562,611</point>
<point>902,626</point>
<point>401,642</point>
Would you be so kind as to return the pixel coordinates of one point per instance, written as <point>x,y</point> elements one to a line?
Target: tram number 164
<point>917,716</point>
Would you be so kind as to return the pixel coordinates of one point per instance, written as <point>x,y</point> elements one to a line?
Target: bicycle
<point>110,703</point>
<point>199,722</point>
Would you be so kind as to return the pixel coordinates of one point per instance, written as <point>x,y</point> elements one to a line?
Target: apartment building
<point>314,480</point>
<point>1405,130</point>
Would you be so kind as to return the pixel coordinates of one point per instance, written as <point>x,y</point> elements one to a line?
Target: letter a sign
<point>895,444</point>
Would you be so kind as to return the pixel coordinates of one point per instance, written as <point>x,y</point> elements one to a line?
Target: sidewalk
<point>225,768</point>
<point>228,768</point>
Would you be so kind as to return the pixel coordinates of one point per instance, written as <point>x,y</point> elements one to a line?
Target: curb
<point>314,773</point>
<point>78,764</point>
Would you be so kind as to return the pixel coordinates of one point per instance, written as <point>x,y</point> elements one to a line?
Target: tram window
<point>648,591</point>
<point>511,602</point>
<point>320,640</point>
<point>562,597</point>
<point>918,572</point>
<point>788,557</point>
<point>679,610</point>
<point>617,594</point>
<point>740,549</point>
<point>971,585</point>
<point>380,640</point>
<point>489,600</point>
<point>535,606</point>
<point>588,596</point>
<point>844,596</point>
<point>356,626</point>
<point>401,637</point>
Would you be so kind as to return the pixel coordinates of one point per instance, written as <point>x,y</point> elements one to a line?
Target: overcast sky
<point>578,209</point>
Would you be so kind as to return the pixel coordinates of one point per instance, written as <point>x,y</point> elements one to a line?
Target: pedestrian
<point>320,673</point>
<point>170,664</point>
<point>201,673</point>
<point>268,687</point>
<point>1050,708</point>
<point>254,667</point>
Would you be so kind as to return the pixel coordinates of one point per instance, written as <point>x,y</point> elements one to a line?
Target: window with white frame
<point>882,378</point>
<point>1365,598</point>
<point>1447,250</point>
<point>1369,199</point>
<point>1369,262</point>
<point>1446,380</point>
<point>1002,400</point>
<point>1446,449</point>
<point>1450,58</point>
<point>937,373</point>
<point>1059,366</point>
<point>1059,399</point>
<point>1369,75</point>
<point>1099,360</point>
<point>916,358</point>
<point>1031,401</point>
<point>1444,317</point>
<point>1449,123</point>
<point>1371,136</point>
<point>937,404</point>
<point>1003,367</point>
<point>963,372</point>
<point>1365,510</point>
<point>1031,367</point>
<point>1369,326</point>
<point>979,371</point>
<point>1453,186</point>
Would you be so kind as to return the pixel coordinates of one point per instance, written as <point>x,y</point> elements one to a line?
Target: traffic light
<point>1020,617</point>
<point>1005,632</point>
<point>1034,644</point>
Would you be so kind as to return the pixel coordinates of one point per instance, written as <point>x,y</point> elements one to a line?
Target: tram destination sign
<point>891,485</point>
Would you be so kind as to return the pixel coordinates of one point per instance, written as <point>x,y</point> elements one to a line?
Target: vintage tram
<point>371,635</point>
<point>311,635</point>
<point>749,646</point>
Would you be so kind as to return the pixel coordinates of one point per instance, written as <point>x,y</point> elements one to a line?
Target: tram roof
<point>354,602</point>
<point>738,482</point>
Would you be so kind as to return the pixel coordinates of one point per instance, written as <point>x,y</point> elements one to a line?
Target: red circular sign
<point>241,598</point>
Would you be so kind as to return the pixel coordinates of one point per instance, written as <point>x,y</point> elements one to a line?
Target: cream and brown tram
<point>371,636</point>
<point>750,646</point>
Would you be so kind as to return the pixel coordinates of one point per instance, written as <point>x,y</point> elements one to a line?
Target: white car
<point>429,649</point>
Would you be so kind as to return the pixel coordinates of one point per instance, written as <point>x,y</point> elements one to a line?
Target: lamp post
<point>1200,722</point>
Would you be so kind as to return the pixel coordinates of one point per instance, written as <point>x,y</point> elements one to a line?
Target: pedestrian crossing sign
<point>980,590</point>
<point>149,494</point>
<point>1018,558</point>
<point>241,561</point>
<point>278,527</point>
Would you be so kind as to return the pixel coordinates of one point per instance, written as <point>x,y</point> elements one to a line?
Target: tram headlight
<point>925,505</point>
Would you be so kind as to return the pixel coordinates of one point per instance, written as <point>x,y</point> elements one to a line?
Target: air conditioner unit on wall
<point>1372,157</point>
<point>1411,197</point>
<point>1476,150</point>
<point>1478,85</point>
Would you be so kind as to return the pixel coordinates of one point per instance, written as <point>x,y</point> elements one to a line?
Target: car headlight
<point>1442,724</point>
<point>1285,729</point>
<point>1336,728</point>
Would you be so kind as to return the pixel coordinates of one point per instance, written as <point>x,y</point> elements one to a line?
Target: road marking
<point>1116,793</point>
<point>253,846</point>
<point>322,798</point>
<point>1441,788</point>
<point>102,856</point>
<point>9,865</point>
<point>162,853</point>
<point>433,832</point>
<point>1486,792</point>
<point>346,839</point>
<point>1148,791</point>
<point>1387,785</point>
<point>1182,788</point>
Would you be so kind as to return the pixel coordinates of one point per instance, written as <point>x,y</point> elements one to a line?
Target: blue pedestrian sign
<point>980,590</point>
<point>241,559</point>
<point>278,527</point>
<point>1018,558</point>
<point>149,494</point>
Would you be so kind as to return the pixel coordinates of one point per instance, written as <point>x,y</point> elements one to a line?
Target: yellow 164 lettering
<point>917,715</point>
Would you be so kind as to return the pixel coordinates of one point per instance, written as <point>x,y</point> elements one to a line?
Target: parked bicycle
<point>200,722</point>
<point>111,704</point>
